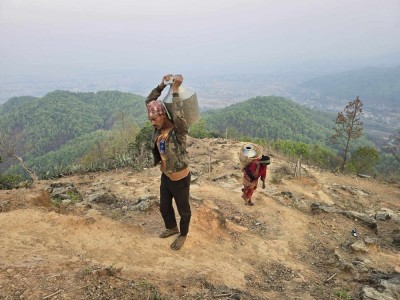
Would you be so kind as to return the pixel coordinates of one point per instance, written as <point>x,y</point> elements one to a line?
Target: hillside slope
<point>41,125</point>
<point>103,242</point>
<point>60,128</point>
<point>272,118</point>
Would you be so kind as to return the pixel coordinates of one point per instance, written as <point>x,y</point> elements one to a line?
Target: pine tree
<point>348,127</point>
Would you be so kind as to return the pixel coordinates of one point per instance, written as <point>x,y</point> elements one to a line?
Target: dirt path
<point>274,250</point>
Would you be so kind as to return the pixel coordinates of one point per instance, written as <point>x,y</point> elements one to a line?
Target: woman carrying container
<point>251,173</point>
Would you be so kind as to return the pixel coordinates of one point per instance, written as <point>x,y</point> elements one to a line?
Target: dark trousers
<point>179,190</point>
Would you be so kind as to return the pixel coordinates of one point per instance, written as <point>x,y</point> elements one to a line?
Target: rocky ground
<point>95,236</point>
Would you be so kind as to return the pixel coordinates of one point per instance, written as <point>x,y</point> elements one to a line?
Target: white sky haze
<point>59,35</point>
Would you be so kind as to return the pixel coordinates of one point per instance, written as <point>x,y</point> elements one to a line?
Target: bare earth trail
<point>110,249</point>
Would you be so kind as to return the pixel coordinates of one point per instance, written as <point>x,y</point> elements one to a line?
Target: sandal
<point>178,243</point>
<point>168,232</point>
<point>245,199</point>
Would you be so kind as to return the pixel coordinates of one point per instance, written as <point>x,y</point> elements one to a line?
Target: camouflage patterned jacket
<point>177,158</point>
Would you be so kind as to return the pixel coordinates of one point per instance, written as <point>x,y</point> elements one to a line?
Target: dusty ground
<point>109,248</point>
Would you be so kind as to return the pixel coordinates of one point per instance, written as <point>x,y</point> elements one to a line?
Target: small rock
<point>370,241</point>
<point>382,216</point>
<point>347,267</point>
<point>89,220</point>
<point>194,179</point>
<point>195,198</point>
<point>237,218</point>
<point>66,202</point>
<point>359,246</point>
<point>396,237</point>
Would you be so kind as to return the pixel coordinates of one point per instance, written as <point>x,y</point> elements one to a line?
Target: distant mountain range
<point>376,87</point>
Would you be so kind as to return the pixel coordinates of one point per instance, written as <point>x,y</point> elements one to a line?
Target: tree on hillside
<point>348,127</point>
<point>393,145</point>
<point>7,147</point>
<point>199,130</point>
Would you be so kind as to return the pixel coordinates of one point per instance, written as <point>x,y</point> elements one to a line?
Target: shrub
<point>363,159</point>
<point>8,181</point>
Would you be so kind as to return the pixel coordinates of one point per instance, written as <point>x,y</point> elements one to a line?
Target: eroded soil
<point>104,244</point>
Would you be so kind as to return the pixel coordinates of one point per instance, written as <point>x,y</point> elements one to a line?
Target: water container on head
<point>248,153</point>
<point>249,150</point>
<point>190,104</point>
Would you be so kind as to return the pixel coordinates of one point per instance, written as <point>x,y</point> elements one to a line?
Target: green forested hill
<point>375,86</point>
<point>64,128</point>
<point>272,118</point>
<point>38,126</point>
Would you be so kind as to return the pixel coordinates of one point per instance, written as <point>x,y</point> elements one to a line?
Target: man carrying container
<point>169,151</point>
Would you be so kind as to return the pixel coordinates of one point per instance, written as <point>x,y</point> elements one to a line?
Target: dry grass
<point>43,199</point>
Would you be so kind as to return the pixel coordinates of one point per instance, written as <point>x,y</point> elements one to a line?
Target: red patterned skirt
<point>248,187</point>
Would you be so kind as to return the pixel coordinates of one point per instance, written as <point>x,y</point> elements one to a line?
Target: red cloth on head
<point>155,108</point>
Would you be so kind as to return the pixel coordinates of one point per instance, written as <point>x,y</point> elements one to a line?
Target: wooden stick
<point>330,278</point>
<point>49,296</point>
<point>222,295</point>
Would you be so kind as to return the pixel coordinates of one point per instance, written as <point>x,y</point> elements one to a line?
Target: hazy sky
<point>81,35</point>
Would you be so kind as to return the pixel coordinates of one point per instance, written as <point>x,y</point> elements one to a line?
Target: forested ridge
<point>41,125</point>
<point>375,86</point>
<point>65,132</point>
<point>62,126</point>
<point>272,118</point>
